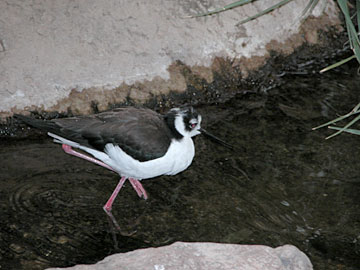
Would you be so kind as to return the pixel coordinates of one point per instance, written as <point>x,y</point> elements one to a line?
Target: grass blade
<point>227,7</point>
<point>353,35</point>
<point>309,7</point>
<point>358,14</point>
<point>342,129</point>
<point>338,64</point>
<point>265,11</point>
<point>355,110</point>
<point>349,130</point>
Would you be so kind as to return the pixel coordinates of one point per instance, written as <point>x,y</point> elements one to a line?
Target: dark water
<point>283,185</point>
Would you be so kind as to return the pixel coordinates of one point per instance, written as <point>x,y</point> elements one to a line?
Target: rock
<point>209,256</point>
<point>53,52</point>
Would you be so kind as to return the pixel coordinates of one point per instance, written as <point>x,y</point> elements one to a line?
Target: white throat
<point>180,126</point>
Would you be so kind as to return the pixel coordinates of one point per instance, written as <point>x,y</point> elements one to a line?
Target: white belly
<point>178,157</point>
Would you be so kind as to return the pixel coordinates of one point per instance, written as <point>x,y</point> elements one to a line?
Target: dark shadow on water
<point>284,185</point>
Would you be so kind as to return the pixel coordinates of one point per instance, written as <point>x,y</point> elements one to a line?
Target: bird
<point>135,142</point>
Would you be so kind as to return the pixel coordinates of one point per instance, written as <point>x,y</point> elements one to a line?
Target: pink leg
<point>135,183</point>
<point>69,150</point>
<point>141,192</point>
<point>107,207</point>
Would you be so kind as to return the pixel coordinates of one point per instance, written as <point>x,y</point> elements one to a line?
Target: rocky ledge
<point>209,256</point>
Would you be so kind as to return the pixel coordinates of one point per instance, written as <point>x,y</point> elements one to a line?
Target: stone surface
<point>50,51</point>
<point>207,256</point>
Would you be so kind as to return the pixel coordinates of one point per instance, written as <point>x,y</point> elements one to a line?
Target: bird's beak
<point>215,139</point>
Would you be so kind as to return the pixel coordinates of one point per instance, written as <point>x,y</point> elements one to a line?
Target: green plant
<point>354,111</point>
<point>351,30</point>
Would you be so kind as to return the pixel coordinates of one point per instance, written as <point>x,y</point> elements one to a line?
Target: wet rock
<point>209,256</point>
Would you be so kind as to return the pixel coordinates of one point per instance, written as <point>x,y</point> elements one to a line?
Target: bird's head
<point>185,120</point>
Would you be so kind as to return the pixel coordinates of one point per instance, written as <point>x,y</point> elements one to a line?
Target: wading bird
<point>136,143</point>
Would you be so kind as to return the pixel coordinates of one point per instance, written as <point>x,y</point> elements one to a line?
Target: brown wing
<point>141,133</point>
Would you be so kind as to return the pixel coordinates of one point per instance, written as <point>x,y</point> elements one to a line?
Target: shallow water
<point>284,184</point>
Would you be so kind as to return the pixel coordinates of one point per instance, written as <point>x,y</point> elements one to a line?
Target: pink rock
<point>207,256</point>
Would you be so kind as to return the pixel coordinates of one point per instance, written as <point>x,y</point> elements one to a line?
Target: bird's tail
<point>61,140</point>
<point>48,126</point>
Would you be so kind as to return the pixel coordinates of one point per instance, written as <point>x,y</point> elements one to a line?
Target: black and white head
<point>184,121</point>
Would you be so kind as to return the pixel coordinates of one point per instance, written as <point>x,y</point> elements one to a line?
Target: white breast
<point>178,157</point>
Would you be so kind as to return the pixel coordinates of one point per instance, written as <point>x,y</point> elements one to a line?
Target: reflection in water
<point>283,184</point>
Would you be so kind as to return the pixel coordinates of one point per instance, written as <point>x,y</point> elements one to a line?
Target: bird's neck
<point>170,121</point>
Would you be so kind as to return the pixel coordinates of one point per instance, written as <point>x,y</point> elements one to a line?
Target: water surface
<point>284,184</point>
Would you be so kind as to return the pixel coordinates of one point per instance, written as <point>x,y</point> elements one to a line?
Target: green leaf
<point>265,11</point>
<point>227,7</point>
<point>349,130</point>
<point>358,14</point>
<point>355,110</point>
<point>353,37</point>
<point>309,7</point>
<point>337,64</point>
<point>342,129</point>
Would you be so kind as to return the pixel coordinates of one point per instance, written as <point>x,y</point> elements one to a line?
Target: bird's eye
<point>192,125</point>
